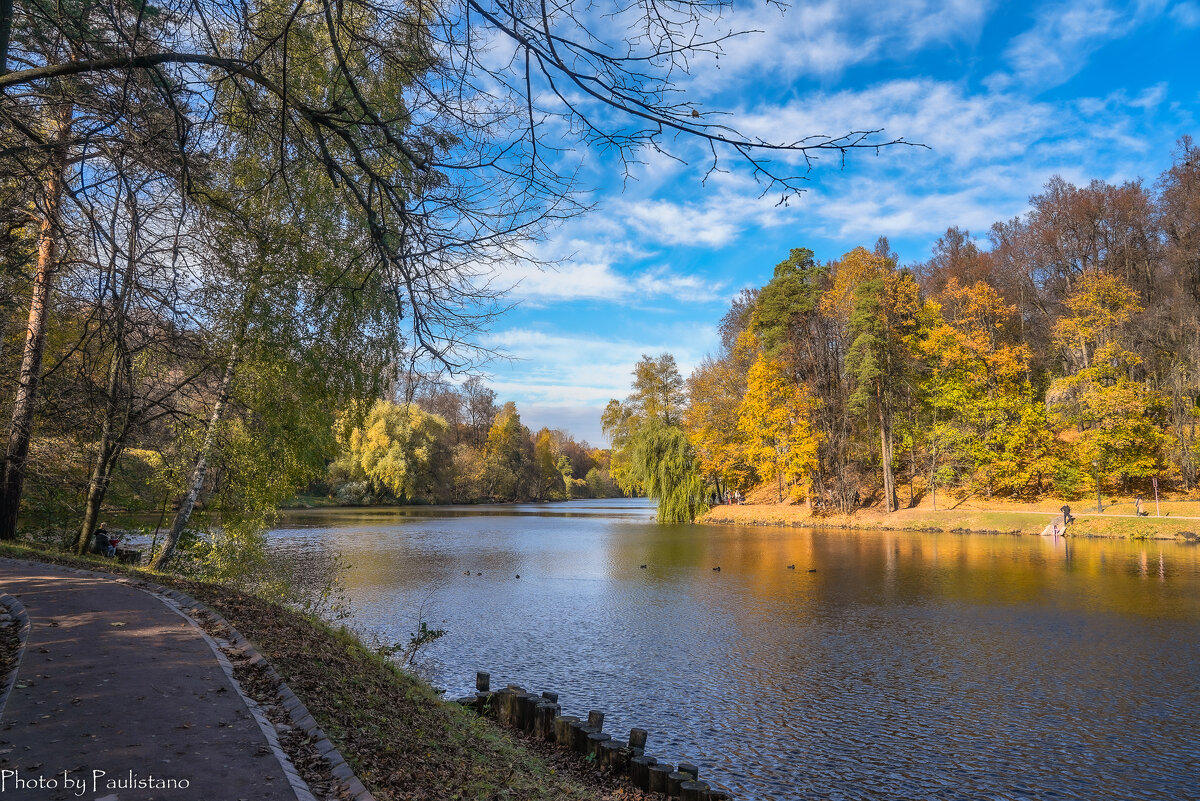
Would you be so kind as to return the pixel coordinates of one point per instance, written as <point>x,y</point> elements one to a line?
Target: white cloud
<point>1186,14</point>
<point>555,369</point>
<point>1063,37</point>
<point>987,153</point>
<point>590,280</point>
<point>823,39</point>
<point>677,224</point>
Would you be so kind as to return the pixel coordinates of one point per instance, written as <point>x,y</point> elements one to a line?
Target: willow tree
<point>649,441</point>
<point>664,463</point>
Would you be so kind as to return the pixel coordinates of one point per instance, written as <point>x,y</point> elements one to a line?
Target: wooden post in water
<point>595,739</point>
<point>658,778</point>
<point>499,702</point>
<point>551,697</point>
<point>483,681</point>
<point>579,737</point>
<point>639,770</point>
<point>596,719</point>
<point>544,715</point>
<point>614,757</point>
<point>694,791</point>
<point>563,729</point>
<point>687,767</point>
<point>674,780</point>
<point>637,741</point>
<point>526,709</point>
<point>512,710</point>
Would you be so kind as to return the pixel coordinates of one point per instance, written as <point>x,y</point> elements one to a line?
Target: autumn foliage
<point>1066,354</point>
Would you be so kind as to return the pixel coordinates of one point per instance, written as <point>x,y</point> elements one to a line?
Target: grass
<point>401,739</point>
<point>981,515</point>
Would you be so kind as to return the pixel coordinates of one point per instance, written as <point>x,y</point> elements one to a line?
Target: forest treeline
<point>455,445</point>
<point>1061,357</point>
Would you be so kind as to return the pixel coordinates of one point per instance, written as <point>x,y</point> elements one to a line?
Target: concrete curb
<point>188,607</point>
<point>14,611</point>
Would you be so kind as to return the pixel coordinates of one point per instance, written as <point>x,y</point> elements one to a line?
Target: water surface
<point>908,665</point>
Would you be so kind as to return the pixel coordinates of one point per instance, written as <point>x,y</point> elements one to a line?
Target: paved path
<point>113,680</point>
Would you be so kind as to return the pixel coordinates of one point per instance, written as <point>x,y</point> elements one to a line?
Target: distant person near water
<point>105,544</point>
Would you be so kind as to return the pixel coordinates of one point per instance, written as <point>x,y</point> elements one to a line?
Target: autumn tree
<point>1178,217</point>
<point>508,455</point>
<point>399,448</point>
<point>774,422</point>
<point>987,429</point>
<point>801,318</point>
<point>879,362</point>
<point>715,391</point>
<point>714,394</point>
<point>1118,420</point>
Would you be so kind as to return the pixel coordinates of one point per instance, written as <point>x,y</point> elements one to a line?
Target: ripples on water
<point>907,666</point>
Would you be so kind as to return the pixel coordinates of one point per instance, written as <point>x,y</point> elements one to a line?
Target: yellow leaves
<point>395,446</point>
<point>854,268</point>
<point>967,341</point>
<point>1098,308</point>
<point>774,420</point>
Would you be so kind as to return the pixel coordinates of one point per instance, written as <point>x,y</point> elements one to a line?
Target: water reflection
<point>901,666</point>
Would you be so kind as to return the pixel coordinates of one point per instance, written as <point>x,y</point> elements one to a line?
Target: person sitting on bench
<point>105,544</point>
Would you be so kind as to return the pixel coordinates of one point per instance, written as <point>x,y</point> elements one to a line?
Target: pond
<point>883,665</point>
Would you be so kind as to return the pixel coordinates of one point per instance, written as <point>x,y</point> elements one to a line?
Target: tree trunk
<point>21,428</point>
<point>891,502</point>
<point>1179,411</point>
<point>779,474</point>
<point>112,434</point>
<point>108,450</point>
<point>188,502</point>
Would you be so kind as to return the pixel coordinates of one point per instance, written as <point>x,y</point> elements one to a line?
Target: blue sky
<point>1005,95</point>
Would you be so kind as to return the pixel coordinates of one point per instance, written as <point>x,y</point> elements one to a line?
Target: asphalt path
<point>119,697</point>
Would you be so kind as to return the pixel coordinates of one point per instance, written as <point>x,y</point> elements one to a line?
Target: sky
<point>1002,95</point>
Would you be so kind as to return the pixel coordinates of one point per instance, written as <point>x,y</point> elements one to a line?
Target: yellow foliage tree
<point>398,449</point>
<point>1120,420</point>
<point>987,431</point>
<point>715,390</point>
<point>774,421</point>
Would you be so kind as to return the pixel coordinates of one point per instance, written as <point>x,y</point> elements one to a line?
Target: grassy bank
<point>401,739</point>
<point>1180,519</point>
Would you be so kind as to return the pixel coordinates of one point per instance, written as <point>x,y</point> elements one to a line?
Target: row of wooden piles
<point>541,717</point>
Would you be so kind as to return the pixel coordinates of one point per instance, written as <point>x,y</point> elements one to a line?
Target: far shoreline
<point>1181,522</point>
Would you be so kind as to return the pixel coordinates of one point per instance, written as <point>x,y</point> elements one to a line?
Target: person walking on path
<point>114,686</point>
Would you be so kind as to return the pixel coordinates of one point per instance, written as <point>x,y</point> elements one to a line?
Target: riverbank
<point>1178,520</point>
<point>399,737</point>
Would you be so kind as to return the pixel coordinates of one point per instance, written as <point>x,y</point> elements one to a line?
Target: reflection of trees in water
<point>913,567</point>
